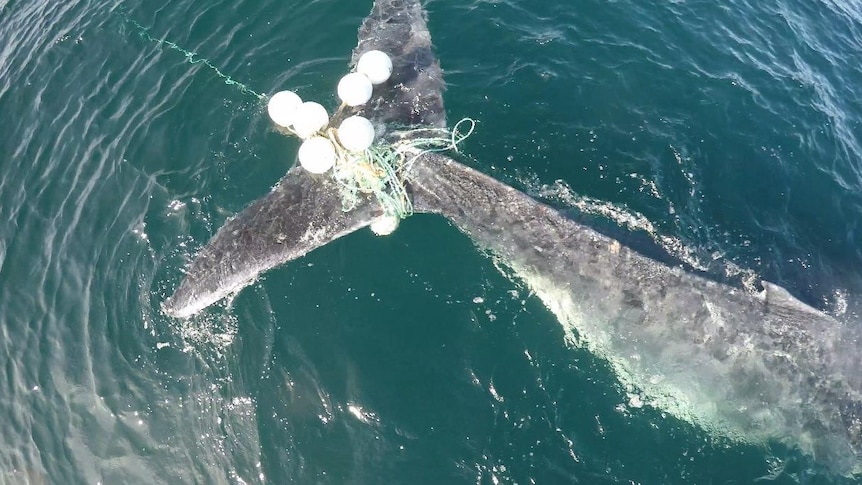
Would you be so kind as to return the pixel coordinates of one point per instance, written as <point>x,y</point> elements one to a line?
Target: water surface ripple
<point>725,134</point>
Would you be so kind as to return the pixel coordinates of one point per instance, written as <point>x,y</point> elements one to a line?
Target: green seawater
<point>725,134</point>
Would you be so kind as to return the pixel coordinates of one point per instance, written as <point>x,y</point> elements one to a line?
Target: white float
<point>384,225</point>
<point>376,65</point>
<point>316,154</point>
<point>282,107</point>
<point>354,89</point>
<point>356,133</point>
<point>309,118</point>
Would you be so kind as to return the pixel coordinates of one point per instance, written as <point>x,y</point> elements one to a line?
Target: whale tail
<point>301,213</point>
<point>754,365</point>
<point>304,211</point>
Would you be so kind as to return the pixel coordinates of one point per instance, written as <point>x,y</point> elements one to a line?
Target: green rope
<point>445,140</point>
<point>381,170</point>
<point>191,57</point>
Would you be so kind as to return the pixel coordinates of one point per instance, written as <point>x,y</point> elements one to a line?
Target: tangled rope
<point>190,57</point>
<point>381,170</point>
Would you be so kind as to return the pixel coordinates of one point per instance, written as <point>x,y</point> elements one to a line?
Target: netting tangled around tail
<point>381,170</point>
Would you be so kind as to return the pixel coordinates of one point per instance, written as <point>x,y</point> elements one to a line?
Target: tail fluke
<point>305,211</point>
<point>301,213</point>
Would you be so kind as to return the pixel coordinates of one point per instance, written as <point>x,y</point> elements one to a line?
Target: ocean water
<point>726,134</point>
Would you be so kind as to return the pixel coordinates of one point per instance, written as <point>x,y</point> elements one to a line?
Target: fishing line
<point>381,170</point>
<point>191,57</point>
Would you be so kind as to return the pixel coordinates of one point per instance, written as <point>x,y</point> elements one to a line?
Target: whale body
<point>753,366</point>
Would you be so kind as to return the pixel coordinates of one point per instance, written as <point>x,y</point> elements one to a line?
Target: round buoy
<point>310,117</point>
<point>356,133</point>
<point>354,89</point>
<point>384,225</point>
<point>282,107</point>
<point>316,154</point>
<point>376,65</point>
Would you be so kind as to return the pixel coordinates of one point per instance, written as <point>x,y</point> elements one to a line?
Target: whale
<point>753,365</point>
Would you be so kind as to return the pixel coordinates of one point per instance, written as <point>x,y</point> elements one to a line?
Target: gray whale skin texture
<point>753,367</point>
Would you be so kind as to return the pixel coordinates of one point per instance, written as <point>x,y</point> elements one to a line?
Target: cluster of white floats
<point>317,154</point>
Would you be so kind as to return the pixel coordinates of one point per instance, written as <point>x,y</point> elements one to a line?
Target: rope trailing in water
<point>191,57</point>
<point>381,170</point>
